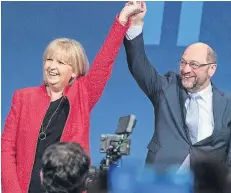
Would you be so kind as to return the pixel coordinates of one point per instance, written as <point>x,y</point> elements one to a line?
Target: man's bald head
<point>203,49</point>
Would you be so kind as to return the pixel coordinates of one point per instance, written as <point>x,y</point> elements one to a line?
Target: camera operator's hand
<point>128,11</point>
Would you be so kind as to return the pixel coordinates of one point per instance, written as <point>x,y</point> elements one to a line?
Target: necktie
<point>192,121</point>
<point>192,117</point>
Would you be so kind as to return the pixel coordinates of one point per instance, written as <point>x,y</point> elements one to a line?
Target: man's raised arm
<point>141,69</point>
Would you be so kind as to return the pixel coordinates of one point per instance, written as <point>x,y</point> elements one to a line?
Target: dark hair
<point>210,176</point>
<point>64,167</point>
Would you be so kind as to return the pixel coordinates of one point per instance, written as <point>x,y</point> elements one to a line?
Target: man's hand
<point>137,19</point>
<point>129,11</point>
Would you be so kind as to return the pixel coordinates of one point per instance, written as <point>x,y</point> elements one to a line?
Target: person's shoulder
<point>172,77</point>
<point>171,74</point>
<point>35,90</point>
<point>226,95</point>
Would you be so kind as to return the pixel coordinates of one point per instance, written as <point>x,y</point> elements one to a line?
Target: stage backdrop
<point>27,27</point>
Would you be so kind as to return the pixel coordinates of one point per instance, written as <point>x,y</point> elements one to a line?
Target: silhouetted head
<point>211,176</point>
<point>64,168</point>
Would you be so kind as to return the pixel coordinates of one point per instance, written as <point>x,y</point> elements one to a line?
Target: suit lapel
<point>183,95</point>
<point>177,109</point>
<point>219,105</point>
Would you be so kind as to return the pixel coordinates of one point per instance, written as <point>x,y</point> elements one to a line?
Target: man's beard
<point>194,84</point>
<point>189,83</point>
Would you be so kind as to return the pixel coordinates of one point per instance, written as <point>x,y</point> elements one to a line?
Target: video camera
<point>115,146</point>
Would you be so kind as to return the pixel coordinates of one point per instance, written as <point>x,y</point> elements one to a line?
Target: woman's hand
<point>129,10</point>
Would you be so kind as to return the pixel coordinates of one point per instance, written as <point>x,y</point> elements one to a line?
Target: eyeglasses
<point>192,64</point>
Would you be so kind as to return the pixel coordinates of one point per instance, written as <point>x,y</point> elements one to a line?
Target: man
<point>192,117</point>
<point>64,168</point>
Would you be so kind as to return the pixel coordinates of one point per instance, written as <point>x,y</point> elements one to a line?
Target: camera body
<point>120,141</point>
<point>114,146</point>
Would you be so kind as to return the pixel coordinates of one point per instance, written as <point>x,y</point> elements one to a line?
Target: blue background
<point>27,28</point>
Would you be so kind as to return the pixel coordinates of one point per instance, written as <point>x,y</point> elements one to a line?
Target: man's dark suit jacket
<point>171,143</point>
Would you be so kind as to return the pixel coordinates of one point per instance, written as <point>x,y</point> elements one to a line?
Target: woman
<point>59,109</point>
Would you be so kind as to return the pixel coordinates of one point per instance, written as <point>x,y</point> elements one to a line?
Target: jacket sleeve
<point>100,72</point>
<point>146,76</point>
<point>10,182</point>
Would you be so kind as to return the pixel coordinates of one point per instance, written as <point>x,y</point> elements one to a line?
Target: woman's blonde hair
<point>69,51</point>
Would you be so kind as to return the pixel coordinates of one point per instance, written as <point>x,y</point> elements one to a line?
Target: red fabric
<point>29,105</point>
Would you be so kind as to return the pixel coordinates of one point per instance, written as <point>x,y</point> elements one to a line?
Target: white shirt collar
<point>206,93</point>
